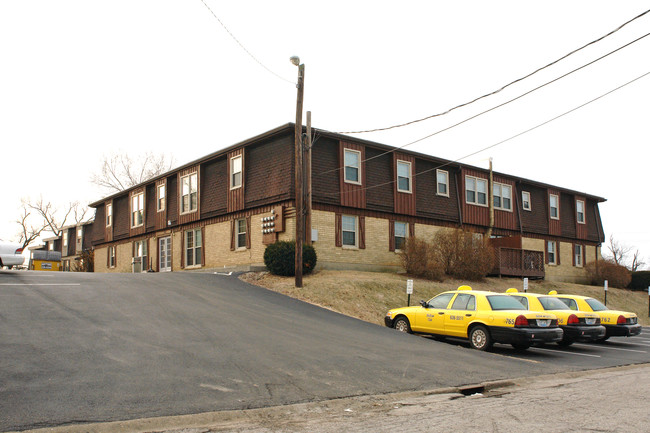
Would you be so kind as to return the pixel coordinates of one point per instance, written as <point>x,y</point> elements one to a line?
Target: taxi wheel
<point>479,338</point>
<point>402,325</point>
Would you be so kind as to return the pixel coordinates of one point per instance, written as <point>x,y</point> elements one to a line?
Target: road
<point>82,348</point>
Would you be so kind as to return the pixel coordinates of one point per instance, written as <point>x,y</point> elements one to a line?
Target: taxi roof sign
<point>512,290</point>
<point>464,288</point>
<point>552,292</point>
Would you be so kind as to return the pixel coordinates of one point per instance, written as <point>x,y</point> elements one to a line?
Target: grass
<point>368,295</point>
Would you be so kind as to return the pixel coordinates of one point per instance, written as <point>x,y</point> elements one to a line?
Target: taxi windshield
<point>595,304</point>
<point>504,302</point>
<point>552,303</point>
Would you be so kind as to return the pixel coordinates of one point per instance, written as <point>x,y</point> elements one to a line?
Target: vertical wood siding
<point>473,214</point>
<point>214,187</point>
<point>504,219</point>
<point>236,196</point>
<point>568,215</point>
<point>325,173</point>
<point>121,217</point>
<point>404,202</point>
<point>268,168</point>
<point>554,225</point>
<point>379,172</point>
<point>160,219</point>
<point>108,230</point>
<point>352,195</point>
<point>184,218</point>
<point>429,203</point>
<point>581,229</point>
<point>172,199</point>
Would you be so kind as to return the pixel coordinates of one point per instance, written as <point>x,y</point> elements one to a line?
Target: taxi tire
<point>402,325</point>
<point>479,338</point>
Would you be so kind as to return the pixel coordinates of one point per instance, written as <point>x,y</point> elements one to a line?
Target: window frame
<point>160,198</point>
<point>501,186</point>
<point>446,183</point>
<point>240,244</point>
<point>111,256</point>
<point>525,194</point>
<point>358,168</point>
<point>109,214</point>
<point>65,239</point>
<point>406,231</point>
<point>557,207</point>
<point>138,199</point>
<point>409,178</point>
<point>476,180</point>
<point>550,253</point>
<point>194,248</point>
<point>356,231</point>
<point>239,158</point>
<point>578,255</point>
<point>189,176</point>
<point>578,213</point>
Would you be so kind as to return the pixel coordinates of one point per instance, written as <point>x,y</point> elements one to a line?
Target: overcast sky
<point>80,79</point>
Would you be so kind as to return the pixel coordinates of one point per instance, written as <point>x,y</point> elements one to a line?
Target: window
<point>240,225</point>
<point>50,246</point>
<point>349,230</point>
<point>552,255</point>
<point>161,198</point>
<point>441,301</point>
<point>193,244</point>
<point>189,193</point>
<point>109,215</point>
<point>403,176</point>
<point>400,235</point>
<point>80,232</point>
<point>476,191</point>
<point>140,253</point>
<point>523,300</point>
<point>352,163</point>
<point>111,257</point>
<point>65,239</point>
<point>502,196</point>
<point>577,255</point>
<point>573,305</point>
<point>464,302</point>
<point>580,211</point>
<point>525,200</point>
<point>442,180</point>
<point>554,203</point>
<point>137,210</point>
<point>235,171</point>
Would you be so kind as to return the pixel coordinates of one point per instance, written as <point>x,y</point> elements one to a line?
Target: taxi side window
<point>464,302</point>
<point>441,301</point>
<point>523,301</point>
<point>571,303</point>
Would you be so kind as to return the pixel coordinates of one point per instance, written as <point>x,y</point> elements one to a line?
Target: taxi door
<point>432,319</point>
<point>461,313</point>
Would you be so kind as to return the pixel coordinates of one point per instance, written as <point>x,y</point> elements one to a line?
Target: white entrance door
<point>165,254</point>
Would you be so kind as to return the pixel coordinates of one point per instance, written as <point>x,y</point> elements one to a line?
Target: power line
<point>506,140</point>
<point>496,106</point>
<point>243,47</point>
<point>503,87</point>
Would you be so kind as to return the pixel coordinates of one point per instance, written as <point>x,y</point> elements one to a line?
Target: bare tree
<point>618,250</point>
<point>29,232</point>
<point>52,221</point>
<point>637,262</point>
<point>120,171</point>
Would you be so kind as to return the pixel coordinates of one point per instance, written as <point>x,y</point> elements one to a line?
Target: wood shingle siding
<point>568,215</point>
<point>325,171</point>
<point>121,217</point>
<point>404,201</point>
<point>379,171</point>
<point>352,195</point>
<point>214,185</point>
<point>428,203</point>
<point>236,195</point>
<point>535,220</point>
<point>268,172</point>
<point>172,199</point>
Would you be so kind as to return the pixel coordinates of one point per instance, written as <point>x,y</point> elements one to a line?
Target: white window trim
<point>501,185</point>
<point>557,198</point>
<point>237,233</point>
<point>160,187</point>
<point>554,262</point>
<point>189,175</point>
<point>356,233</point>
<point>65,238</point>
<point>410,177</point>
<point>232,172</point>
<point>487,191</point>
<point>406,233</point>
<point>583,212</point>
<point>530,204</point>
<point>109,215</point>
<point>135,196</point>
<point>194,231</point>
<point>581,255</point>
<point>358,152</point>
<point>446,183</point>
<point>111,255</point>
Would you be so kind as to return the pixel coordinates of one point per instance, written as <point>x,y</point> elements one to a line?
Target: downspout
<point>488,234</point>
<point>458,192</point>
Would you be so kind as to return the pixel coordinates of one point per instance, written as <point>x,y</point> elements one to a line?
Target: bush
<point>85,262</point>
<point>640,281</point>
<point>417,260</point>
<point>462,254</point>
<point>616,275</point>
<point>280,258</point>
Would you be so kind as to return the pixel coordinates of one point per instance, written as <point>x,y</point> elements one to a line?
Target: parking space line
<point>568,353</point>
<point>611,348</point>
<point>40,284</point>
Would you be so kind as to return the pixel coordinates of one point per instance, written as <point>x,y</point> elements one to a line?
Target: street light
<point>295,60</point>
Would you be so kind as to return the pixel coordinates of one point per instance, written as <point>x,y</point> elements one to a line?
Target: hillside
<point>368,295</point>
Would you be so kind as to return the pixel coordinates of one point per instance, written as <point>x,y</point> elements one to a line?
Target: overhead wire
<point>503,87</point>
<point>496,106</point>
<point>448,163</point>
<point>243,47</point>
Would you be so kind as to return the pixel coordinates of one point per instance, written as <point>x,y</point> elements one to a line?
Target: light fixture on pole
<point>295,60</point>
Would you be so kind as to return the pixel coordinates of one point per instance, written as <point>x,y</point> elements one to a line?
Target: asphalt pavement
<point>86,348</point>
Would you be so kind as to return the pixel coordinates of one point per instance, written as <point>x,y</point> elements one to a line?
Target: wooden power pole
<point>308,182</point>
<point>300,225</point>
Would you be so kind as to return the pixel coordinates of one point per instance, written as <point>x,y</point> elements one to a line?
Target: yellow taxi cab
<point>577,325</point>
<point>482,317</point>
<point>617,323</point>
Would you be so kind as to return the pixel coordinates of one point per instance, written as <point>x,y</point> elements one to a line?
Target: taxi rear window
<point>504,302</point>
<point>595,304</point>
<point>552,303</point>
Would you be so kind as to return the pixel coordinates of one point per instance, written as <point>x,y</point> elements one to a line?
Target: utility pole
<point>299,175</point>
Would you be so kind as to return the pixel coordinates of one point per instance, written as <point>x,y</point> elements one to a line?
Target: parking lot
<point>77,348</point>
